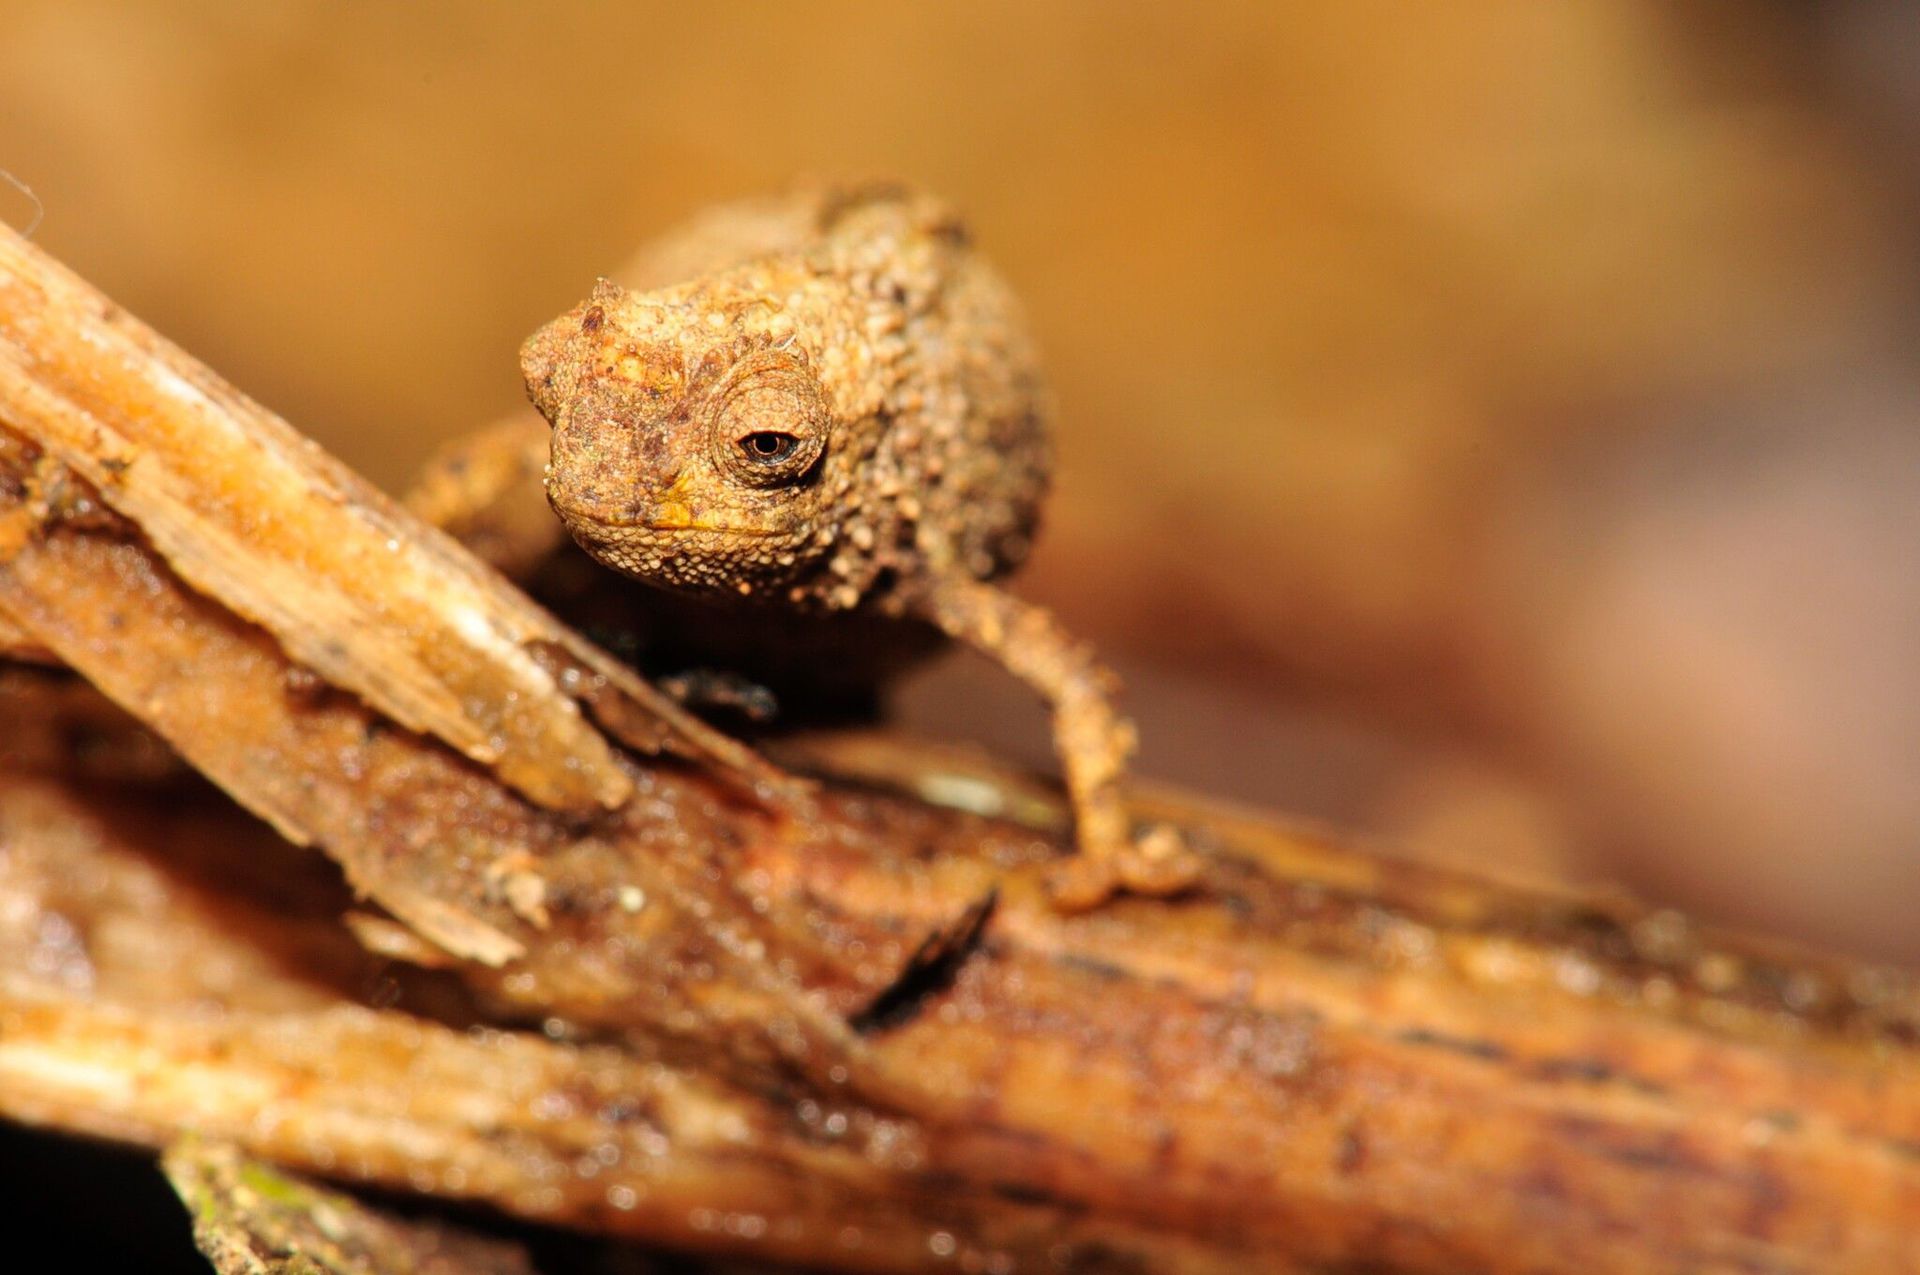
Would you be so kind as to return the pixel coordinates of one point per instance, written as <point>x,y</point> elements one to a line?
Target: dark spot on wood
<point>305,687</point>
<point>1660,1156</point>
<point>622,1110</point>
<point>1594,1071</point>
<point>930,970</point>
<point>1544,1183</point>
<point>1029,1193</point>
<point>1095,1256</point>
<point>1660,1151</point>
<point>1089,965</point>
<point>1767,1198</point>
<point>1352,1156</point>
<point>1165,1148</point>
<point>1588,1070</point>
<point>1484,1050</point>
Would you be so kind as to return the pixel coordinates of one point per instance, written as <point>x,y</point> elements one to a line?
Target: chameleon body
<point>836,410</point>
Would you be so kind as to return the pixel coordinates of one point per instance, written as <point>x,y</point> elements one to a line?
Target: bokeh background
<point>1490,427</point>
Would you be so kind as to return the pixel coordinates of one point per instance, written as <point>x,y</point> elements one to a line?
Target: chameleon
<point>838,410</point>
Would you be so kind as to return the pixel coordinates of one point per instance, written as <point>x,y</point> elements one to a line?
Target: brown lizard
<point>839,411</point>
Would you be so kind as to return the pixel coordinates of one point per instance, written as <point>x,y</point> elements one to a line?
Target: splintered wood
<point>250,512</point>
<point>777,1023</point>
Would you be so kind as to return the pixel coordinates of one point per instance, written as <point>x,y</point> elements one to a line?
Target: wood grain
<point>1318,1060</point>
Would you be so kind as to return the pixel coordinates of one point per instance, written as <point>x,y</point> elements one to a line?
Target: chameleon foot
<point>705,689</point>
<point>1157,865</point>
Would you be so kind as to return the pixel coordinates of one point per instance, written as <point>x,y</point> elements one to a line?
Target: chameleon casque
<point>838,412</point>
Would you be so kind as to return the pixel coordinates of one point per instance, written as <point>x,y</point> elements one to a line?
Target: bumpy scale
<point>839,410</point>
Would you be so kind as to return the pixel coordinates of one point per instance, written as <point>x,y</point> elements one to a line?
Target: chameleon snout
<point>600,473</point>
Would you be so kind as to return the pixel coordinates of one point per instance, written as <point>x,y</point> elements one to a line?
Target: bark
<point>17,644</point>
<point>249,511</point>
<point>250,1219</point>
<point>1318,1060</point>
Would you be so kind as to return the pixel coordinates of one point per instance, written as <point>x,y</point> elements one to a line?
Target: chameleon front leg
<point>486,489</point>
<point>1092,739</point>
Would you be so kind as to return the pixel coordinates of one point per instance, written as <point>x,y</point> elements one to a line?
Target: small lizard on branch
<point>840,411</point>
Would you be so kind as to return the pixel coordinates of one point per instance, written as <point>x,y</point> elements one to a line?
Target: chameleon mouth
<point>711,528</point>
<point>685,557</point>
<point>621,528</point>
<point>669,519</point>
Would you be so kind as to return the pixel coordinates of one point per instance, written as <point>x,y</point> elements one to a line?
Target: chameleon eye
<point>768,447</point>
<point>769,428</point>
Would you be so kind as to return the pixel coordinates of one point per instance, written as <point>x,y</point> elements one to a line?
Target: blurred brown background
<point>1489,426</point>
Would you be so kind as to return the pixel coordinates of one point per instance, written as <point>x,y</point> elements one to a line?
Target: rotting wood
<point>254,514</point>
<point>589,1136</point>
<point>251,1219</point>
<point>1318,1060</point>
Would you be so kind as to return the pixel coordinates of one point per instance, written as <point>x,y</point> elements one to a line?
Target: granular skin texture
<point>836,409</point>
<point>874,348</point>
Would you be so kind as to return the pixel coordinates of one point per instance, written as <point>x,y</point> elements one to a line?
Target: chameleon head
<point>688,453</point>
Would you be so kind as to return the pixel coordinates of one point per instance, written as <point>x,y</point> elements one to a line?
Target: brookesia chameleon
<point>839,410</point>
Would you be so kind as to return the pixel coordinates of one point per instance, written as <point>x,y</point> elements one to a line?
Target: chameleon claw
<point>1157,865</point>
<point>1082,883</point>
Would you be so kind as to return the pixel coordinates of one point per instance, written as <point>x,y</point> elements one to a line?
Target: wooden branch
<point>17,644</point>
<point>589,1136</point>
<point>1319,1060</point>
<point>250,512</point>
<point>250,1219</point>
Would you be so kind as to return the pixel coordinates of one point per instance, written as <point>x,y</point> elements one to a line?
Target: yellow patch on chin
<point>673,513</point>
<point>672,516</point>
